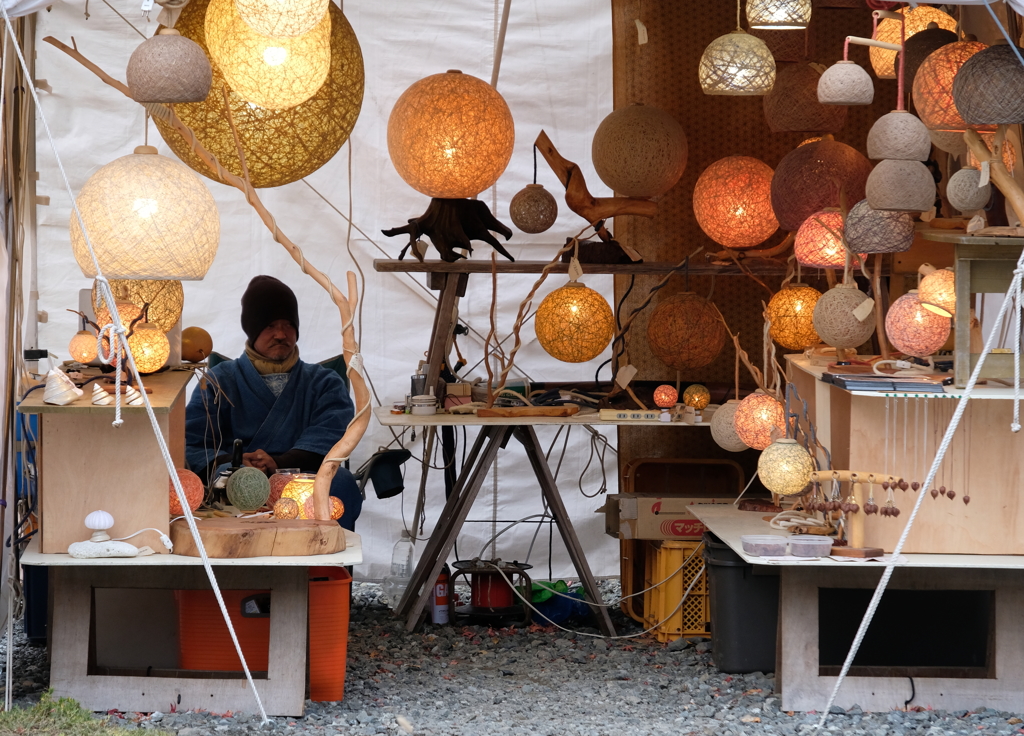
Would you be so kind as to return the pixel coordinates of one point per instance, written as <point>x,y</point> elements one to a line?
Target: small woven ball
<point>914,330</point>
<point>722,430</point>
<point>878,231</point>
<point>792,104</point>
<point>574,324</point>
<point>192,485</point>
<point>169,68</point>
<point>785,467</point>
<point>248,489</point>
<point>919,47</point>
<point>665,396</point>
<point>963,192</point>
<point>732,202</point>
<point>900,186</point>
<point>989,88</point>
<point>759,419</point>
<point>791,314</point>
<point>937,292</point>
<point>337,509</point>
<point>845,83</point>
<point>899,135</point>
<point>286,508</point>
<point>685,332</point>
<point>819,241</point>
<point>950,141</point>
<point>697,396</point>
<point>639,151</point>
<point>533,209</point>
<point>809,178</point>
<point>277,483</point>
<point>835,321</point>
<point>933,86</point>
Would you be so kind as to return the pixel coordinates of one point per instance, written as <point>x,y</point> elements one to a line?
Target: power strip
<point>629,415</point>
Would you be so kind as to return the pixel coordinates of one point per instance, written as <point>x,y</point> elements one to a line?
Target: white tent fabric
<point>555,74</point>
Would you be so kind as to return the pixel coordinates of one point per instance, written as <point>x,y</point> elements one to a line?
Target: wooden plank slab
<point>259,537</point>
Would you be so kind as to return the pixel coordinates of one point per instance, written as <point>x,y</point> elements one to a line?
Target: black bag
<point>384,468</point>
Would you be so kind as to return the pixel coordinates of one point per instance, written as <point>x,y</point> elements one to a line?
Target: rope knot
<point>1015,427</point>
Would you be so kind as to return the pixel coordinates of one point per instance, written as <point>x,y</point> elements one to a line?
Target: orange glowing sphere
<point>666,396</point>
<point>193,488</point>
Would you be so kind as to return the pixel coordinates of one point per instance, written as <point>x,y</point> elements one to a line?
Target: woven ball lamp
<point>277,483</point>
<point>732,202</point>
<point>890,31</point>
<point>639,151</point>
<point>835,321</point>
<point>785,467</point>
<point>697,396</point>
<point>286,508</point>
<point>271,72</point>
<point>280,146</point>
<point>196,344</point>
<point>83,347</point>
<point>878,231</point>
<point>149,346</point>
<point>900,186</point>
<point>933,85</point>
<point>759,419</point>
<point>736,64</point>
<point>723,432</point>
<point>685,332</point>
<point>779,15</point>
<point>963,192</point>
<point>282,18</point>
<point>665,396</point>
<point>574,324</point>
<point>127,311</point>
<point>299,490</point>
<point>845,83</point>
<point>248,489</point>
<point>148,217</point>
<point>1009,151</point>
<point>165,298</point>
<point>791,314</point>
<point>920,46</point>
<point>169,68</point>
<point>192,485</point>
<point>989,88</point>
<point>450,135</point>
<point>899,135</point>
<point>337,508</point>
<point>533,209</point>
<point>937,292</point>
<point>819,242</point>
<point>792,104</point>
<point>948,141</point>
<point>914,330</point>
<point>809,178</point>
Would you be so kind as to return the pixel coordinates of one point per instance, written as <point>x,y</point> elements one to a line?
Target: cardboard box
<point>650,516</point>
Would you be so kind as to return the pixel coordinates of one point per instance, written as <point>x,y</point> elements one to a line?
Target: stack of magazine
<point>886,384</point>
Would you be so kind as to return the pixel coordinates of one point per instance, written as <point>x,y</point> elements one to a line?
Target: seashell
<point>101,397</point>
<point>60,390</point>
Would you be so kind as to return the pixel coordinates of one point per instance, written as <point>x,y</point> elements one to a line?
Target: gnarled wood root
<point>451,224</point>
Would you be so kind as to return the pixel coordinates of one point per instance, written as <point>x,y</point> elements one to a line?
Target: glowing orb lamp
<point>779,15</point>
<point>785,467</point>
<point>736,64</point>
<point>83,347</point>
<point>282,18</point>
<point>732,202</point>
<point>286,508</point>
<point>697,396</point>
<point>165,298</point>
<point>891,31</point>
<point>665,396</point>
<point>937,292</point>
<point>337,508</point>
<point>150,347</point>
<point>299,489</point>
<point>819,242</point>
<point>933,86</point>
<point>574,324</point>
<point>759,420</point>
<point>791,314</point>
<point>914,330</point>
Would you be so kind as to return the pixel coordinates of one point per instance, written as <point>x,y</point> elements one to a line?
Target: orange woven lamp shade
<point>914,330</point>
<point>337,509</point>
<point>150,347</point>
<point>791,314</point>
<point>933,86</point>
<point>697,396</point>
<point>127,311</point>
<point>793,106</point>
<point>450,135</point>
<point>165,298</point>
<point>819,243</point>
<point>83,347</point>
<point>298,490</point>
<point>835,319</point>
<point>639,151</point>
<point>282,18</point>
<point>889,30</point>
<point>574,324</point>
<point>732,202</point>
<point>759,420</point>
<point>1009,152</point>
<point>785,467</point>
<point>810,177</point>
<point>193,488</point>
<point>684,332</point>
<point>665,396</point>
<point>937,292</point>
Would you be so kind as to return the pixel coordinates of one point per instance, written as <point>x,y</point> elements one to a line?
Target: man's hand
<point>259,460</point>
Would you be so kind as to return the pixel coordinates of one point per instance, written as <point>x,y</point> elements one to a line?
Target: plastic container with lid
<point>764,545</point>
<point>809,545</point>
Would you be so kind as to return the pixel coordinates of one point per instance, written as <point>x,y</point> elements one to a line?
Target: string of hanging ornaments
<point>914,330</point>
<point>732,202</point>
<point>684,332</point>
<point>933,86</point>
<point>989,88</point>
<point>736,64</point>
<point>892,30</point>
<point>810,178</point>
<point>639,151</point>
<point>280,146</point>
<point>790,313</point>
<point>878,231</point>
<point>792,105</point>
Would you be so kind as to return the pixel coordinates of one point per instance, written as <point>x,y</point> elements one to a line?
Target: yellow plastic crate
<point>662,609</point>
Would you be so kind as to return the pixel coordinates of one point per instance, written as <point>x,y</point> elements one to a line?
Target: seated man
<point>287,413</point>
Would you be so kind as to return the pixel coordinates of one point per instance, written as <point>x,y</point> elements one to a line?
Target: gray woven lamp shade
<point>845,83</point>
<point>963,192</point>
<point>169,68</point>
<point>989,88</point>
<point>835,321</point>
<point>878,231</point>
<point>533,209</point>
<point>639,151</point>
<point>792,105</point>
<point>899,135</point>
<point>736,64</point>
<point>901,186</point>
<point>920,45</point>
<point>723,431</point>
<point>810,177</point>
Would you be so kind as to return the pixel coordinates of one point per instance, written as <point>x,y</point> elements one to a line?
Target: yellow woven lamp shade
<point>169,68</point>
<point>792,104</point>
<point>299,490</point>
<point>450,135</point>
<point>665,396</point>
<point>914,330</point>
<point>779,15</point>
<point>126,310</point>
<point>149,347</point>
<point>889,31</point>
<point>736,64</point>
<point>574,324</point>
<point>835,321</point>
<point>639,151</point>
<point>759,419</point>
<point>533,209</point>
<point>817,245</point>
<point>280,146</point>
<point>697,396</point>
<point>933,86</point>
<point>282,18</point>
<point>83,347</point>
<point>723,432</point>
<point>165,298</point>
<point>937,292</point>
<point>148,217</point>
<point>684,332</point>
<point>785,467</point>
<point>732,202</point>
<point>791,314</point>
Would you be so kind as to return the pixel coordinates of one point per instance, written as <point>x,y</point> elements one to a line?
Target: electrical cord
<point>163,537</point>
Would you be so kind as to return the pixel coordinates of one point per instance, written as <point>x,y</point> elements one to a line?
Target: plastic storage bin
<point>662,609</point>
<point>810,545</point>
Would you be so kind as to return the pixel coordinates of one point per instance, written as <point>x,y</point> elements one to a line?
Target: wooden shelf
<point>960,237</point>
<point>166,388</point>
<point>697,268</point>
<point>591,418</point>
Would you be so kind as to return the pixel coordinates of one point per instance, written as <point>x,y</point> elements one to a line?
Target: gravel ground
<point>465,681</point>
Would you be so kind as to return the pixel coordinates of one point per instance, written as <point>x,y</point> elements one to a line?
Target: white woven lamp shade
<point>816,243</point>
<point>732,202</point>
<point>878,231</point>
<point>846,83</point>
<point>723,432</point>
<point>933,85</point>
<point>282,18</point>
<point>736,64</point>
<point>165,298</point>
<point>889,31</point>
<point>759,420</point>
<point>148,217</point>
<point>83,347</point>
<point>450,135</point>
<point>899,135</point>
<point>274,73</point>
<point>169,68</point>
<point>920,46</point>
<point>989,88</point>
<point>901,186</point>
<point>779,15</point>
<point>639,151</point>
<point>809,179</point>
<point>963,192</point>
<point>914,330</point>
<point>785,467</point>
<point>937,292</point>
<point>835,321</point>
<point>149,347</point>
<point>574,324</point>
<point>792,104</point>
<point>791,314</point>
<point>533,209</point>
<point>684,332</point>
<point>948,141</point>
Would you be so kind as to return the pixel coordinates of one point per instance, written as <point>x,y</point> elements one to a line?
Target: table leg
<point>528,437</point>
<point>444,323</point>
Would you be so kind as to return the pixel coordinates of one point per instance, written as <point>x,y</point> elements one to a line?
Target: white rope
<point>1015,425</point>
<point>118,328</point>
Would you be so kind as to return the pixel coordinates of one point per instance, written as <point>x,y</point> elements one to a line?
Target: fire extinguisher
<point>439,600</point>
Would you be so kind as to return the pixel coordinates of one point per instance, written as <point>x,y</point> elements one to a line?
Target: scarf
<point>265,365</point>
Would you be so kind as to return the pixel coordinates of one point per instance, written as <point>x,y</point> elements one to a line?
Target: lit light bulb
<point>145,207</point>
<point>275,55</point>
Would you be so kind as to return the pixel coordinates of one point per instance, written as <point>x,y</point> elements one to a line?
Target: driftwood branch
<point>730,254</point>
<point>1000,176</point>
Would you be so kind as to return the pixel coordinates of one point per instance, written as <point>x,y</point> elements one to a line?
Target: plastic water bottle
<point>401,569</point>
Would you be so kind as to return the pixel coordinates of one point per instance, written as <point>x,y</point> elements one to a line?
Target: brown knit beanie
<point>267,300</point>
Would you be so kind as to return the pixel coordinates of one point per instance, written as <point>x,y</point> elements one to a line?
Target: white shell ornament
<point>101,397</point>
<point>99,521</point>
